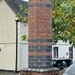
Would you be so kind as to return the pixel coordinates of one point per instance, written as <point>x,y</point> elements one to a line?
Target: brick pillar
<point>40,34</point>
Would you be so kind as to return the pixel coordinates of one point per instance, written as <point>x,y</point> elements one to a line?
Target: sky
<point>26,0</point>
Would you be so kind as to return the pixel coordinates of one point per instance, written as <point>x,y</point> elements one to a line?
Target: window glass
<point>71,52</point>
<point>55,49</point>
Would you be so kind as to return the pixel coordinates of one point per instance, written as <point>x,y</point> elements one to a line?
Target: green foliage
<point>24,37</point>
<point>63,20</point>
<point>23,18</point>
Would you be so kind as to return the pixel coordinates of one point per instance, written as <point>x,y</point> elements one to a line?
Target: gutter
<point>16,44</point>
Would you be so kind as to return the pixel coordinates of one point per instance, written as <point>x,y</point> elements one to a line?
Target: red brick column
<point>40,34</point>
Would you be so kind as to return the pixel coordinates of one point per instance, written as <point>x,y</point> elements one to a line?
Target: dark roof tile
<point>14,4</point>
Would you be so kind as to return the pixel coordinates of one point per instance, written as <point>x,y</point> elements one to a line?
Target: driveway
<point>62,71</point>
<point>8,73</point>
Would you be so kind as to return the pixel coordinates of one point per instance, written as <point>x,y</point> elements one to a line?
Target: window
<point>55,51</point>
<point>71,52</point>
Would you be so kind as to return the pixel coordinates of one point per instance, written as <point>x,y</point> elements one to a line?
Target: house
<point>12,47</point>
<point>62,49</point>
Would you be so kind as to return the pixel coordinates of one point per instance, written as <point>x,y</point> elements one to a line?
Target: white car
<point>70,70</point>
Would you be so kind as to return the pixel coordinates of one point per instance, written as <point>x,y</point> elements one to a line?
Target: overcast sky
<point>26,0</point>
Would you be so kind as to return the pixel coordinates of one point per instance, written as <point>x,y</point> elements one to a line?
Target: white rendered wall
<point>7,57</point>
<point>7,37</point>
<point>23,46</point>
<point>73,54</point>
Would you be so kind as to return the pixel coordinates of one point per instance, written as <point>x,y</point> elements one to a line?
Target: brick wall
<point>40,34</point>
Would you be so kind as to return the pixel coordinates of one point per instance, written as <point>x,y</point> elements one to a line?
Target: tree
<point>63,21</point>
